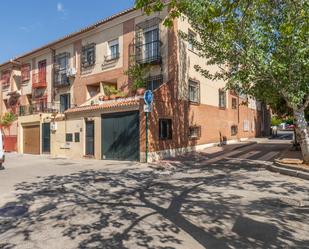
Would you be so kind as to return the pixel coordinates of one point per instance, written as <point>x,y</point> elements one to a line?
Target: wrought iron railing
<point>111,57</point>
<point>39,80</point>
<point>148,53</point>
<point>42,107</point>
<point>61,78</point>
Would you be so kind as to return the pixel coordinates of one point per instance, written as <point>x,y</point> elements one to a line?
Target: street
<point>211,199</point>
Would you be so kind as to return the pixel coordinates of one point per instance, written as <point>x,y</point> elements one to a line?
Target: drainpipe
<point>52,90</point>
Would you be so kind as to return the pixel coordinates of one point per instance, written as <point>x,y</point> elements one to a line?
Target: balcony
<point>41,107</point>
<point>39,80</point>
<point>61,79</point>
<point>148,53</point>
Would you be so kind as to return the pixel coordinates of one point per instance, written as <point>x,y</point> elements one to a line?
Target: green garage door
<point>120,136</point>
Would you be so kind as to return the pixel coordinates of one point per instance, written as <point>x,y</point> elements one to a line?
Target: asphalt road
<point>212,199</point>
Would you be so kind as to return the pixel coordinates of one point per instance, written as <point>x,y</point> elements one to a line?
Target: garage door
<point>120,136</point>
<point>31,139</point>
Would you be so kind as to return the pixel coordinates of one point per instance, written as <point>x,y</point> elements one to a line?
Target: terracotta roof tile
<point>135,101</point>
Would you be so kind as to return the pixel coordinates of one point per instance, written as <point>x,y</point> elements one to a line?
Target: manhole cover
<point>13,211</point>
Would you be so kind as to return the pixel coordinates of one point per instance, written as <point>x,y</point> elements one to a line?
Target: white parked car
<point>2,156</point>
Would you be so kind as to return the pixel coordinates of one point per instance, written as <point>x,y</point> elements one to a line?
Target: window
<point>25,72</point>
<point>61,66</point>
<point>113,52</point>
<point>65,102</point>
<point>194,91</point>
<point>191,38</point>
<point>234,103</point>
<point>246,125</point>
<point>76,137</point>
<point>154,82</point>
<point>88,55</point>
<point>195,132</point>
<point>69,137</point>
<point>5,78</point>
<point>222,99</point>
<point>234,130</point>
<point>165,129</point>
<point>152,47</point>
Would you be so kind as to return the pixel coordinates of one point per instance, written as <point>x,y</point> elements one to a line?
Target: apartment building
<point>58,92</point>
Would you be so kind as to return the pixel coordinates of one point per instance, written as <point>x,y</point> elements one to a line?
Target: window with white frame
<point>113,50</point>
<point>246,125</point>
<point>222,98</point>
<point>194,91</point>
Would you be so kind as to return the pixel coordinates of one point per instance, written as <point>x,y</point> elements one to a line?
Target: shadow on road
<point>211,207</point>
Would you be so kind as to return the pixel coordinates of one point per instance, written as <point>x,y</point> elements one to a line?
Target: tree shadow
<point>211,207</point>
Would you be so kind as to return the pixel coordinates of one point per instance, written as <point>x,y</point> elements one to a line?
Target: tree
<point>260,46</point>
<point>7,120</point>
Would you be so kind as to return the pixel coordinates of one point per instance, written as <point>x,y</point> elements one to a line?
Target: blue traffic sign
<point>148,97</point>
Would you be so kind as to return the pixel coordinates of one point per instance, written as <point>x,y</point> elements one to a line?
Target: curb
<point>244,145</point>
<point>277,167</point>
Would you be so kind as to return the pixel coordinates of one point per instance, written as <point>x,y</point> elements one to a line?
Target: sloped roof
<point>111,104</point>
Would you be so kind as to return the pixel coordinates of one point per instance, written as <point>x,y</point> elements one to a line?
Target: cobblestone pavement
<point>228,203</point>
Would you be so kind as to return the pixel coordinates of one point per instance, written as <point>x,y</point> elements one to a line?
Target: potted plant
<point>110,92</point>
<point>137,73</point>
<point>121,95</point>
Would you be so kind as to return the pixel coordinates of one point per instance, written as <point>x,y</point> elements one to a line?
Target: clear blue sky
<point>26,25</point>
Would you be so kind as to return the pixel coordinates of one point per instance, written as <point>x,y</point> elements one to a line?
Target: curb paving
<point>287,170</point>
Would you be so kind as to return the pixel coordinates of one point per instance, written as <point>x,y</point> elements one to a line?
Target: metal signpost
<point>148,98</point>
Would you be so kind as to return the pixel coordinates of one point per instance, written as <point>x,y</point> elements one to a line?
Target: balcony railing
<point>41,107</point>
<point>111,57</point>
<point>39,80</point>
<point>61,79</point>
<point>149,53</point>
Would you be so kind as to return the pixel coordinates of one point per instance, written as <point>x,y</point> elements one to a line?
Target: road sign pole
<point>146,137</point>
<point>148,98</point>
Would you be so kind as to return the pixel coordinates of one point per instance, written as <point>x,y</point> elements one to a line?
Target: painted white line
<point>268,156</point>
<point>249,154</point>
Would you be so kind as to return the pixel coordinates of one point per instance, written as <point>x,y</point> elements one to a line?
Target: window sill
<point>194,138</point>
<point>223,108</point>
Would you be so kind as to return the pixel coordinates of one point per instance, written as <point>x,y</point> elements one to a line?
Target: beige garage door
<point>32,139</point>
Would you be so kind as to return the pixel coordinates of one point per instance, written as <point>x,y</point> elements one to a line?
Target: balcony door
<point>151,43</point>
<point>42,70</point>
<point>64,102</point>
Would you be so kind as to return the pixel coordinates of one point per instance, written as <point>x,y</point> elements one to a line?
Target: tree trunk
<point>302,132</point>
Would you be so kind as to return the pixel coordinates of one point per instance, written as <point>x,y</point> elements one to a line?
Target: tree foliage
<point>7,119</point>
<point>260,45</point>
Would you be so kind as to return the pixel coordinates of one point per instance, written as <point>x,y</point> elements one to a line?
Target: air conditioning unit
<point>71,72</point>
<point>53,126</point>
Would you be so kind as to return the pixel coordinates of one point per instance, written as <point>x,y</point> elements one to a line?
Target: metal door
<point>46,138</point>
<point>120,136</point>
<point>89,138</point>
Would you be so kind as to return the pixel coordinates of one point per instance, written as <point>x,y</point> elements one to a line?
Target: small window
<point>88,55</point>
<point>234,103</point>
<point>246,125</point>
<point>234,130</point>
<point>165,129</point>
<point>191,38</point>
<point>154,82</point>
<point>222,99</point>
<point>194,132</point>
<point>69,137</point>
<point>76,137</point>
<point>25,72</point>
<point>194,91</point>
<point>113,52</point>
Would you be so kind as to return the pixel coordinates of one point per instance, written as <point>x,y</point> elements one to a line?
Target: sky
<point>26,25</point>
